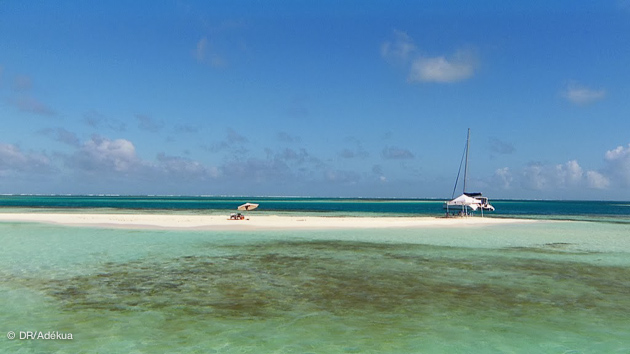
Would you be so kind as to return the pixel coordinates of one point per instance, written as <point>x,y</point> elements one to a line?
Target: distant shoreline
<point>263,197</point>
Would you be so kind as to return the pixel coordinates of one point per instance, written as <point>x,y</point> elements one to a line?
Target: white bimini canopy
<point>464,200</point>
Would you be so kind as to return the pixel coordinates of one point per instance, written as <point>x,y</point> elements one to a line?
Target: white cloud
<point>119,153</point>
<point>618,153</point>
<point>567,176</point>
<point>424,68</point>
<point>13,159</point>
<point>103,155</point>
<point>582,95</point>
<point>533,177</point>
<point>443,70</point>
<point>112,159</point>
<point>597,180</point>
<point>618,164</point>
<point>503,177</point>
<point>10,154</point>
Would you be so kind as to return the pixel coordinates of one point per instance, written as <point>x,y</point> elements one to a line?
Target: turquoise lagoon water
<point>578,210</point>
<point>546,287</point>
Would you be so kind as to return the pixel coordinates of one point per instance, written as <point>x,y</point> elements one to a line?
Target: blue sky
<point>315,98</point>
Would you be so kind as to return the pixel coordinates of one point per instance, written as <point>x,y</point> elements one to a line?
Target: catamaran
<point>467,201</point>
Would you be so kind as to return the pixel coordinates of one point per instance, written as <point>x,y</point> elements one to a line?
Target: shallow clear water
<point>549,287</point>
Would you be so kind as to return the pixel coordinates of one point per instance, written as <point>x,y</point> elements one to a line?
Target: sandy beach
<point>254,222</point>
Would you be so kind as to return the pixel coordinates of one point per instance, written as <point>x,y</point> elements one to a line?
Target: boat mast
<point>466,166</point>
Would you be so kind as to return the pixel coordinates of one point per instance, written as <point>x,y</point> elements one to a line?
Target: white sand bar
<point>254,222</point>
